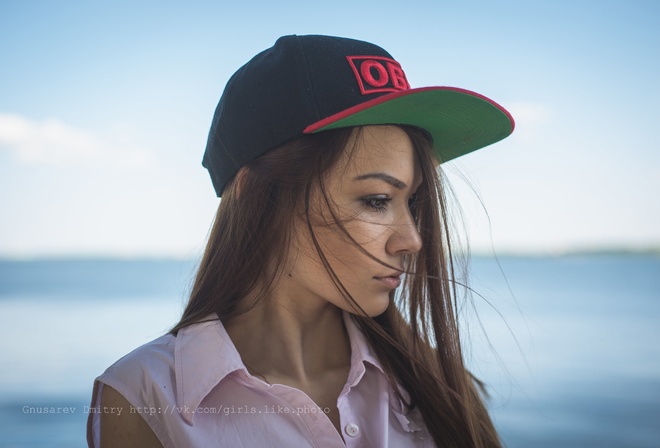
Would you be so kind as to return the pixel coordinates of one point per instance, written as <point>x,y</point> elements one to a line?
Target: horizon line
<point>532,253</point>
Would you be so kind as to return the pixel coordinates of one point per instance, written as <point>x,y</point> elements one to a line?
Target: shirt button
<point>352,429</point>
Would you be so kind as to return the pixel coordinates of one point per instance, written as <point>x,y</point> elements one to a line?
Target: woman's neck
<point>289,343</point>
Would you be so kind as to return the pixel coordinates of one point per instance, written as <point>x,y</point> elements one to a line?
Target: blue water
<point>582,352</point>
<point>569,346</point>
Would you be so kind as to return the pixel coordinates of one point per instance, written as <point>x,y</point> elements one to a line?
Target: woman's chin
<point>374,308</point>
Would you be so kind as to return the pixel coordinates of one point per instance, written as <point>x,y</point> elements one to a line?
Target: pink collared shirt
<point>194,391</point>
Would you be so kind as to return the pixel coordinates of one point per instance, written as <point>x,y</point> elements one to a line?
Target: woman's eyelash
<point>380,202</point>
<point>377,203</point>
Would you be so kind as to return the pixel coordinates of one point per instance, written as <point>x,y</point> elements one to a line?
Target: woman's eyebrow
<point>393,181</point>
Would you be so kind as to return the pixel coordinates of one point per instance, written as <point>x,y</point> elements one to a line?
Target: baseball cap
<point>308,84</point>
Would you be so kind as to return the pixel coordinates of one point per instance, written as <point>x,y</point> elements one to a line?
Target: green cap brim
<point>459,121</point>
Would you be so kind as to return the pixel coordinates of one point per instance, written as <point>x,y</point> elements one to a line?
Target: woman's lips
<point>391,282</point>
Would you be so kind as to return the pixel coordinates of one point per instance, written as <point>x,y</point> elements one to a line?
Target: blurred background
<point>105,207</point>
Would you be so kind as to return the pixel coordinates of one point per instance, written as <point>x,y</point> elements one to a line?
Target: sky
<point>105,108</point>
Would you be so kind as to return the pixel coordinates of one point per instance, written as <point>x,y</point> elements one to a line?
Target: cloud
<point>533,120</point>
<point>52,142</point>
<point>530,113</point>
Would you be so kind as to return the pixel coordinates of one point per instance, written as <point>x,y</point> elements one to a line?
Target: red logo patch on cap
<point>378,74</point>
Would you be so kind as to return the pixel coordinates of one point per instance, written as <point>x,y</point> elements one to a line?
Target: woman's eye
<point>377,203</point>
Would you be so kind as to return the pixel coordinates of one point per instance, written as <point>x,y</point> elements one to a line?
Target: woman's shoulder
<point>154,356</point>
<point>158,360</point>
<point>140,383</point>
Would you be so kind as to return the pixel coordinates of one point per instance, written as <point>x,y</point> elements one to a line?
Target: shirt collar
<point>204,355</point>
<point>362,353</point>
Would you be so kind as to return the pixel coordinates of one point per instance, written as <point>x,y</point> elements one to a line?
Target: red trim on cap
<point>385,98</point>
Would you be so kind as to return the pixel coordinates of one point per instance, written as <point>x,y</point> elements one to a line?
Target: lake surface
<point>569,346</point>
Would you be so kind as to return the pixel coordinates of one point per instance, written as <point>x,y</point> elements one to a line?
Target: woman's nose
<point>405,237</point>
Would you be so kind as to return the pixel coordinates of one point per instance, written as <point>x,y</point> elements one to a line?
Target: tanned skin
<point>126,429</point>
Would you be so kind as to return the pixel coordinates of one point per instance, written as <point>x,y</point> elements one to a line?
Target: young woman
<point>323,310</point>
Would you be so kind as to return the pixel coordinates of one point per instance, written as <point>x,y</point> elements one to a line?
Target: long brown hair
<point>416,339</point>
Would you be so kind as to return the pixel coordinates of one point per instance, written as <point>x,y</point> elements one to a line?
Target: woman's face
<point>370,190</point>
